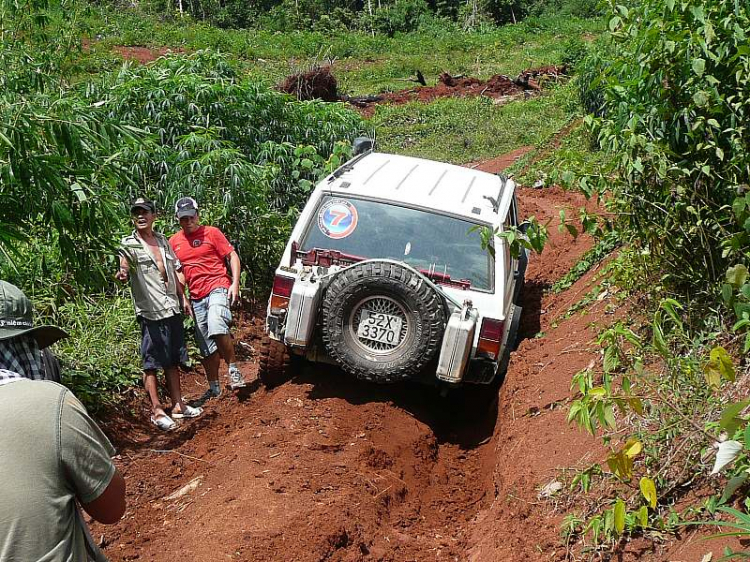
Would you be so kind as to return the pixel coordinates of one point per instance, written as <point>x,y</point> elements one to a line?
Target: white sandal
<point>188,412</point>
<point>165,423</point>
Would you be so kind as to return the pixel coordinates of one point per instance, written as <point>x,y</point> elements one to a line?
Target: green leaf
<point>701,100</point>
<point>723,362</point>
<point>658,338</point>
<point>729,419</point>
<point>609,417</point>
<point>633,448</point>
<point>648,489</point>
<point>620,516</point>
<point>727,294</point>
<point>636,405</point>
<point>732,486</point>
<point>742,309</point>
<point>597,393</point>
<point>737,275</point>
<point>643,516</point>
<point>699,66</point>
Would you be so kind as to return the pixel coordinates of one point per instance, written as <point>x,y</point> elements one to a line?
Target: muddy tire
<point>396,291</point>
<point>275,363</point>
<point>511,343</point>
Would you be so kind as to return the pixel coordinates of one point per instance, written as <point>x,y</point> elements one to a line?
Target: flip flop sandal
<point>165,423</point>
<point>188,412</point>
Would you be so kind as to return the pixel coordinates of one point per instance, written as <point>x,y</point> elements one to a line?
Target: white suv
<point>385,275</point>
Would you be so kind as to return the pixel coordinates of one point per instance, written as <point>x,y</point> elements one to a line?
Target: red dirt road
<point>328,468</point>
<point>325,468</point>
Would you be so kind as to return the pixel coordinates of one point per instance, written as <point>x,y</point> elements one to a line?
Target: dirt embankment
<point>320,83</point>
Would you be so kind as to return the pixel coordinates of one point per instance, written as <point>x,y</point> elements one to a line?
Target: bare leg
<point>226,347</point>
<point>172,374</point>
<point>211,365</point>
<point>149,382</point>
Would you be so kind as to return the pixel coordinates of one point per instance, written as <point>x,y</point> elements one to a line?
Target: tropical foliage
<point>668,94</point>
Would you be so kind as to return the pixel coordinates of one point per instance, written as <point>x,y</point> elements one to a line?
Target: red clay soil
<point>497,165</point>
<point>319,83</point>
<point>326,468</point>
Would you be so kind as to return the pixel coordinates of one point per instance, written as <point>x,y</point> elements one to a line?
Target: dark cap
<point>17,318</point>
<point>142,203</point>
<point>186,207</point>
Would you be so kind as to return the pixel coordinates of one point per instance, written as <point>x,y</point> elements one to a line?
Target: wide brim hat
<point>16,318</point>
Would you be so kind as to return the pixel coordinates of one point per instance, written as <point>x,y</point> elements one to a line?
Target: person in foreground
<point>202,251</point>
<point>52,453</point>
<point>147,259</point>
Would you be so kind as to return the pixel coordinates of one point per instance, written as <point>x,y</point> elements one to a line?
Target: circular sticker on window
<point>337,218</point>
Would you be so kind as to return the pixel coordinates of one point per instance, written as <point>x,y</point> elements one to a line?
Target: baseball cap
<point>142,203</point>
<point>17,318</point>
<point>186,207</point>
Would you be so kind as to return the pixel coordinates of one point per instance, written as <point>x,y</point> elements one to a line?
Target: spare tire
<point>403,316</point>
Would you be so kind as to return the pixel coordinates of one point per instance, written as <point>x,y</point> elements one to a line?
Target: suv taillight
<point>282,290</point>
<point>490,338</point>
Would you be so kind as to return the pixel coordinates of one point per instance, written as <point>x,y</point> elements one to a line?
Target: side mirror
<point>362,145</point>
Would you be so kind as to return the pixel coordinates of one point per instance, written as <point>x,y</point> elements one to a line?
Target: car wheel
<point>382,322</point>
<point>275,363</point>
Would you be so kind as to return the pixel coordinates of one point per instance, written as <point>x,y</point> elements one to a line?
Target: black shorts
<point>163,343</point>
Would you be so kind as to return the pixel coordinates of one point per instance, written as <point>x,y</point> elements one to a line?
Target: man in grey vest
<point>52,454</point>
<point>147,259</point>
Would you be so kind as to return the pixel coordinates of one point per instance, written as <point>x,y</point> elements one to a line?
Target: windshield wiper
<point>445,279</point>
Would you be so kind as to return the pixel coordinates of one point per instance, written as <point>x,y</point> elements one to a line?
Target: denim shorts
<point>212,318</point>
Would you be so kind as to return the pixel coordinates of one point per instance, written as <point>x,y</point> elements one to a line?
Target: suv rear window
<point>429,241</point>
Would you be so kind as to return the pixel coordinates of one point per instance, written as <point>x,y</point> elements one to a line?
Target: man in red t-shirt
<point>202,250</point>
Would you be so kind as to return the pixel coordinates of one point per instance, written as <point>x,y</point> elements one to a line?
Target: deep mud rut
<point>327,468</point>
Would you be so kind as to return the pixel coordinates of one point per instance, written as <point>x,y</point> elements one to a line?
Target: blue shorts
<point>163,343</point>
<point>212,318</point>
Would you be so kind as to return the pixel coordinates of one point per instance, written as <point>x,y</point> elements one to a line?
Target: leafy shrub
<point>574,50</point>
<point>677,99</point>
<point>592,71</point>
<point>226,140</point>
<point>402,16</point>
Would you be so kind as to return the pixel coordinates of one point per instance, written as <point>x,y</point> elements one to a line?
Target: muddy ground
<point>325,468</point>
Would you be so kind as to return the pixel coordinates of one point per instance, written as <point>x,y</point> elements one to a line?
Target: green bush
<point>574,51</point>
<point>592,71</point>
<point>677,100</point>
<point>402,16</point>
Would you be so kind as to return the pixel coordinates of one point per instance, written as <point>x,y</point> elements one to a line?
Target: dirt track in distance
<point>328,468</point>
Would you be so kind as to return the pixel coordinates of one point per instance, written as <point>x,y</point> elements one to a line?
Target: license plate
<point>379,327</point>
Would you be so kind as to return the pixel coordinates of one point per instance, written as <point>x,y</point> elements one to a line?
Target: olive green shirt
<point>51,452</point>
<point>153,298</point>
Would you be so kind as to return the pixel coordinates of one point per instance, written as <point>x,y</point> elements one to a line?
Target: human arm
<point>109,507</point>
<point>180,281</point>
<point>85,458</point>
<point>186,308</point>
<point>123,271</point>
<point>234,290</point>
<point>225,250</point>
